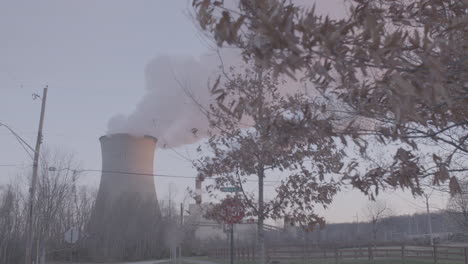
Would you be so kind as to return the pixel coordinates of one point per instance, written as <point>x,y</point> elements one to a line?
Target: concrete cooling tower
<point>126,212</point>
<point>127,167</point>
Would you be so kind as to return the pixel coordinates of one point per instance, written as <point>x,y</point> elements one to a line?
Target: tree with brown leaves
<point>401,64</point>
<point>259,132</point>
<point>398,68</point>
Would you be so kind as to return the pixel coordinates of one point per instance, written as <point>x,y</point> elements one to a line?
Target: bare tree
<point>457,209</point>
<point>54,202</point>
<point>59,208</point>
<point>376,211</point>
<point>11,224</point>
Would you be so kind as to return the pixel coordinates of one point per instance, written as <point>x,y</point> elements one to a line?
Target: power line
<point>132,173</point>
<point>410,202</point>
<point>20,140</point>
<point>135,173</point>
<point>138,173</point>
<point>157,175</point>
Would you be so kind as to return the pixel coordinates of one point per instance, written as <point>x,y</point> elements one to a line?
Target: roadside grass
<point>332,261</point>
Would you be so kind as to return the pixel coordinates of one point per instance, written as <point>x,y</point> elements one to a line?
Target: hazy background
<point>93,56</point>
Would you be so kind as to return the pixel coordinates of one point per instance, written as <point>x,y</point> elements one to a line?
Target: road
<point>166,261</point>
<point>161,261</point>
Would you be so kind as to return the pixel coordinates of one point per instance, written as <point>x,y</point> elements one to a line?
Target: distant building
<point>208,230</point>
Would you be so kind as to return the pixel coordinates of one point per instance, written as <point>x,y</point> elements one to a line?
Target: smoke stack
<point>126,200</point>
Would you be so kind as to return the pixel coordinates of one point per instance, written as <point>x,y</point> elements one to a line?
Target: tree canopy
<point>401,64</point>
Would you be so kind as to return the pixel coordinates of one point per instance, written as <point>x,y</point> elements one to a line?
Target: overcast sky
<point>92,55</point>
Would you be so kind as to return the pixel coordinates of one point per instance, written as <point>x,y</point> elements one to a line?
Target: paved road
<point>161,261</point>
<point>198,261</point>
<point>137,262</point>
<point>147,262</point>
<point>167,261</point>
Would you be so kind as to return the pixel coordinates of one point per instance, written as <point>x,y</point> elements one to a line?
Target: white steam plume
<point>176,88</point>
<point>166,111</point>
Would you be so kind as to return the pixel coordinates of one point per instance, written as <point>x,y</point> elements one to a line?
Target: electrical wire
<point>132,173</point>
<point>20,140</point>
<point>410,202</point>
<point>138,173</point>
<point>24,147</point>
<point>158,175</point>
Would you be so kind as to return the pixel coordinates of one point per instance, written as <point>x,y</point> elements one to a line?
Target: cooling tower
<point>126,214</point>
<point>127,167</point>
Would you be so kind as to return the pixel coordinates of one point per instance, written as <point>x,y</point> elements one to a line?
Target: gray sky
<point>92,54</point>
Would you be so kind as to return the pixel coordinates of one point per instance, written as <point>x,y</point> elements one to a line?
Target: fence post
<point>403,254</point>
<point>371,257</point>
<point>304,256</point>
<point>268,255</point>
<point>465,250</point>
<point>435,254</point>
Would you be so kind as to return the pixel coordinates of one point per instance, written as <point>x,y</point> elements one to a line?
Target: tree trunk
<point>374,231</point>
<point>260,230</point>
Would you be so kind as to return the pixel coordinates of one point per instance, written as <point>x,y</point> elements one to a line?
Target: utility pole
<point>429,219</point>
<point>357,224</point>
<point>232,244</point>
<point>32,190</point>
<point>181,226</point>
<point>409,225</point>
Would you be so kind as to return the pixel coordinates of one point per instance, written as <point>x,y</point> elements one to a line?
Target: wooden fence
<point>298,254</point>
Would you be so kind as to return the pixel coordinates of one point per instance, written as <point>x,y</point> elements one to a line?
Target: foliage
<point>401,64</point>
<point>258,132</point>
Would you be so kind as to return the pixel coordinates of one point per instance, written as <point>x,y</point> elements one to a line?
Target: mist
<point>176,88</point>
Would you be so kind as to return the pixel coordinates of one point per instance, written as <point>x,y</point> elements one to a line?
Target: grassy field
<point>198,260</point>
<point>331,261</point>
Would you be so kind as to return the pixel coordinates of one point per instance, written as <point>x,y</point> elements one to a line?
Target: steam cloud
<point>166,111</point>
